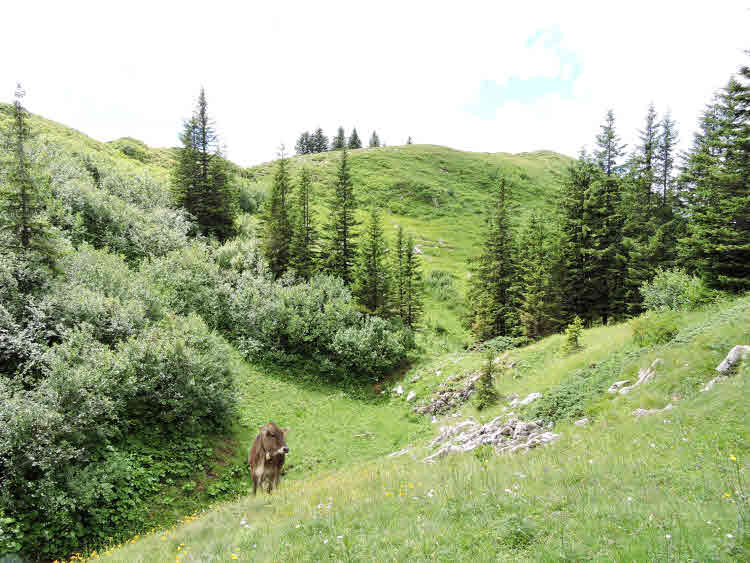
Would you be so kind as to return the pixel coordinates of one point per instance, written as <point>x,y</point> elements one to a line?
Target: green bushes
<point>68,464</point>
<point>651,329</point>
<point>675,290</point>
<point>249,199</point>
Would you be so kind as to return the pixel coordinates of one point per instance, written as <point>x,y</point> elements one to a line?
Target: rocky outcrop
<point>644,412</point>
<point>644,376</point>
<point>449,396</point>
<point>735,356</point>
<point>531,397</point>
<point>506,436</point>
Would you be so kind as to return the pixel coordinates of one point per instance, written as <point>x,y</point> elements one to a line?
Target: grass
<point>663,487</point>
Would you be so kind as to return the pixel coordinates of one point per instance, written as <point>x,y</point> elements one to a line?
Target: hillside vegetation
<point>665,486</point>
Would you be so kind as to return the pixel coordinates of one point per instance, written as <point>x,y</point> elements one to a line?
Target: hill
<point>625,486</point>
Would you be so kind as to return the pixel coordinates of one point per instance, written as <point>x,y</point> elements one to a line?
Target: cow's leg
<point>255,485</point>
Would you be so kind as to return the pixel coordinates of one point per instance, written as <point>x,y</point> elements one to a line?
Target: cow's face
<point>274,442</point>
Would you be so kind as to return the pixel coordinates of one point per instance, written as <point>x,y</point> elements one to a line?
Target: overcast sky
<point>482,76</point>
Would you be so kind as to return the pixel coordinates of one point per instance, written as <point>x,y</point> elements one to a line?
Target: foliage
<point>500,344</point>
<point>277,221</point>
<point>675,290</point>
<point>372,285</point>
<point>652,328</point>
<point>354,140</point>
<point>339,232</point>
<point>442,285</point>
<point>486,394</point>
<point>303,247</point>
<point>339,141</point>
<point>572,336</point>
<point>249,199</point>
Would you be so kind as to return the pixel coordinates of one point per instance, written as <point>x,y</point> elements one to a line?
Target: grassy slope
<point>663,487</point>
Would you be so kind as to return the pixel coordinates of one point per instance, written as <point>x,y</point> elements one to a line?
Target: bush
<point>572,336</point>
<point>651,328</point>
<point>674,290</point>
<point>249,199</point>
<point>500,344</point>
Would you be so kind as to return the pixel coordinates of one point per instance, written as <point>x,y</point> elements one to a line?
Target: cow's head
<point>273,439</point>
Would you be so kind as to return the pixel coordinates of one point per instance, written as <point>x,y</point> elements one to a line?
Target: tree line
<point>618,222</point>
<point>317,142</point>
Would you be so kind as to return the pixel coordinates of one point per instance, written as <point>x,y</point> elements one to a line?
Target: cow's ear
<point>285,431</point>
<point>262,428</point>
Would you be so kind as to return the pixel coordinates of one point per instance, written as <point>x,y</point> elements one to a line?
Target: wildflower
<point>730,536</point>
<point>325,541</point>
<point>389,494</point>
<point>669,537</point>
<point>726,495</point>
<point>732,458</point>
<point>297,526</point>
<point>630,499</point>
<point>339,537</point>
<point>234,556</point>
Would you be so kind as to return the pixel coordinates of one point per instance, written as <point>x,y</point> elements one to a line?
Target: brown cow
<point>267,456</point>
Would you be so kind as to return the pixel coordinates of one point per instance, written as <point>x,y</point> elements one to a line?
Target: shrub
<point>500,344</point>
<point>249,199</point>
<point>651,328</point>
<point>675,290</point>
<point>572,336</point>
<point>486,392</point>
<point>442,284</point>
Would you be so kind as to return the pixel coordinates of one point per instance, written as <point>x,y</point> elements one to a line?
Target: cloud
<point>272,70</point>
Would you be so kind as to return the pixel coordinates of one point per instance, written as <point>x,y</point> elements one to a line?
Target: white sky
<point>274,69</point>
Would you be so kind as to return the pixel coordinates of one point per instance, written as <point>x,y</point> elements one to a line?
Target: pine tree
<point>354,142</point>
<point>408,141</point>
<point>319,142</point>
<point>277,223</point>
<point>374,140</point>
<point>21,202</point>
<point>339,141</point>
<point>486,392</point>
<point>304,144</point>
<point>398,267</point>
<point>610,148</point>
<point>536,308</point>
<point>200,178</point>
<point>493,274</point>
<point>717,176</point>
<point>373,278</point>
<point>647,152</point>
<point>303,256</point>
<point>576,298</point>
<point>340,233</point>
<point>413,303</point>
<point>667,144</point>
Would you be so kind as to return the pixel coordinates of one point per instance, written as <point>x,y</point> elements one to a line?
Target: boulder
<point>644,412</point>
<point>411,396</point>
<point>582,422</point>
<point>736,355</point>
<point>399,390</point>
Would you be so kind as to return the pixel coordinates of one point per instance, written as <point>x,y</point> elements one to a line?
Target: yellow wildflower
<point>732,458</point>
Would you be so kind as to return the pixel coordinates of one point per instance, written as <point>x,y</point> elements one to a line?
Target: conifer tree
<point>649,137</point>
<point>413,303</point>
<point>666,146</point>
<point>717,175</point>
<point>319,141</point>
<point>339,141</point>
<point>277,223</point>
<point>610,149</point>
<point>576,298</point>
<point>304,144</point>
<point>536,308</point>
<point>374,140</point>
<point>340,231</point>
<point>200,178</point>
<point>354,142</point>
<point>493,274</point>
<point>398,267</point>
<point>303,256</point>
<point>373,278</point>
<point>408,141</point>
<point>21,202</point>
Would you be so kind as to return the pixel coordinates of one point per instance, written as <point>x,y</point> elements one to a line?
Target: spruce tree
<point>647,151</point>
<point>21,201</point>
<point>318,141</point>
<point>373,278</point>
<point>340,231</point>
<point>610,149</point>
<point>667,144</point>
<point>200,177</point>
<point>413,303</point>
<point>717,178</point>
<point>303,256</point>
<point>408,141</point>
<point>536,308</point>
<point>374,140</point>
<point>398,267</point>
<point>304,144</point>
<point>277,223</point>
<point>574,292</point>
<point>339,141</point>
<point>493,274</point>
<point>354,142</point>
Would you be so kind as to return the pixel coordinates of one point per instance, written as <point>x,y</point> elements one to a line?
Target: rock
<point>713,382</point>
<point>530,398</point>
<point>736,355</point>
<point>448,397</point>
<point>399,453</point>
<point>512,436</point>
<point>616,385</point>
<point>643,412</point>
<point>414,379</point>
<point>582,422</point>
<point>644,376</point>
<point>411,396</point>
<point>399,390</point>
